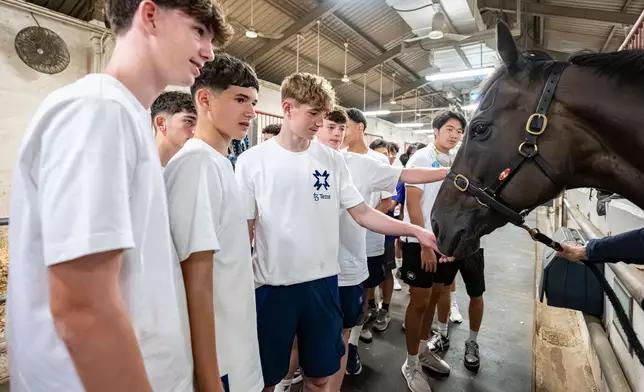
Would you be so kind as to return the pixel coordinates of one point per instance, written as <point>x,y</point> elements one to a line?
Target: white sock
<point>354,335</point>
<point>473,335</point>
<point>412,360</point>
<point>283,386</point>
<point>422,346</point>
<point>442,328</point>
<point>398,262</point>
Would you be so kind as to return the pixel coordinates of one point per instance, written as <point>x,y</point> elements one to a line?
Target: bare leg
<point>444,303</point>
<point>434,298</point>
<point>387,287</point>
<point>418,304</point>
<point>453,286</point>
<point>295,360</point>
<point>476,313</point>
<point>317,384</point>
<point>269,389</point>
<point>336,380</point>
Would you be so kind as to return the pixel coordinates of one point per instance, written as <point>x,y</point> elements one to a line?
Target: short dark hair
<point>445,116</point>
<point>379,143</point>
<point>357,117</point>
<point>393,147</point>
<point>272,129</point>
<point>172,102</point>
<point>207,12</point>
<point>338,116</point>
<point>225,71</point>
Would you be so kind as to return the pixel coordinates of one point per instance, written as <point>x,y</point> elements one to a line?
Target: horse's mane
<point>627,66</point>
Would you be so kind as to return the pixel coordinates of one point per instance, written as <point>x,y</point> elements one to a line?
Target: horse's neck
<point>610,149</point>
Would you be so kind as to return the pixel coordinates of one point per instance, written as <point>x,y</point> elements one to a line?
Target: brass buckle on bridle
<point>463,178</point>
<point>539,131</point>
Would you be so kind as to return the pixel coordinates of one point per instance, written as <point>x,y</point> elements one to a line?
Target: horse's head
<point>490,149</point>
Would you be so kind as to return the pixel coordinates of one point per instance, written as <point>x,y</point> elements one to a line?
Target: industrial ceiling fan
<point>345,77</point>
<point>251,32</point>
<point>438,29</point>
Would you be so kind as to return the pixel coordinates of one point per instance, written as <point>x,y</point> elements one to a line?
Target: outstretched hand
<point>428,239</point>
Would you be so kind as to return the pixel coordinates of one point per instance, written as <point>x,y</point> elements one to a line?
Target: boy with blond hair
<point>95,299</point>
<point>296,248</point>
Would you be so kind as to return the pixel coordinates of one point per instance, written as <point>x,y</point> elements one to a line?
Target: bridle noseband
<point>528,150</point>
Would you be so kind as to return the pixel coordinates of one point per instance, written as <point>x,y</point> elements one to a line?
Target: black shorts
<point>376,266</point>
<point>411,271</point>
<point>390,256</point>
<point>472,270</point>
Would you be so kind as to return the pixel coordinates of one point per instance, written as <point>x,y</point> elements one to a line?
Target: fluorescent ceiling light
<point>469,107</point>
<point>425,131</point>
<point>377,113</point>
<point>409,125</point>
<point>460,74</point>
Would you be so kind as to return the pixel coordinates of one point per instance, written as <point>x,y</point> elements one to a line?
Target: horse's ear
<point>506,46</point>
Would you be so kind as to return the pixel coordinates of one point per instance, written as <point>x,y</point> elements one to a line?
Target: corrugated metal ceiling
<point>382,28</point>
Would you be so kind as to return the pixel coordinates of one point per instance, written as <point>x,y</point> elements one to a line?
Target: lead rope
<point>631,336</point>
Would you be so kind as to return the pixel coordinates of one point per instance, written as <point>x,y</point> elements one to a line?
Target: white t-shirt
<point>376,241</point>
<point>295,199</point>
<point>206,213</point>
<point>88,180</point>
<point>369,175</point>
<point>425,157</point>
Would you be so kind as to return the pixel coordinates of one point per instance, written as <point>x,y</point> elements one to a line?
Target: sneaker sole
<point>380,328</point>
<point>472,368</point>
<point>363,340</point>
<point>354,374</point>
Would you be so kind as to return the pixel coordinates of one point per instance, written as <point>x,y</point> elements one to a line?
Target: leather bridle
<point>529,151</point>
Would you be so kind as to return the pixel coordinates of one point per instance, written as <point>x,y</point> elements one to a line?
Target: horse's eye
<point>479,130</point>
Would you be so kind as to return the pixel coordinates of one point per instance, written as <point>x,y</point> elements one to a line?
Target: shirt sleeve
<point>626,247</point>
<point>246,186</point>
<point>400,192</point>
<point>383,176</point>
<point>194,204</point>
<point>85,167</point>
<point>349,194</point>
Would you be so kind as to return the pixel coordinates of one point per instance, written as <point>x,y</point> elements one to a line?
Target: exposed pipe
<point>42,11</point>
<point>636,26</point>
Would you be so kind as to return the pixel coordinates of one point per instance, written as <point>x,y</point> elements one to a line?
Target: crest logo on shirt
<point>321,180</point>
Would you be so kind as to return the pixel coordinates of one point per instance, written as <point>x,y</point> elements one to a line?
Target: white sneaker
<point>417,380</point>
<point>366,335</point>
<point>397,285</point>
<point>433,362</point>
<point>455,314</point>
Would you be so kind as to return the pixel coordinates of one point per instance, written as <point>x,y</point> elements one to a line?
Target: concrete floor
<point>505,338</point>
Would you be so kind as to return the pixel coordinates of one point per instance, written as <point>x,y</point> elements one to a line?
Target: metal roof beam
<point>531,8</point>
<point>299,24</point>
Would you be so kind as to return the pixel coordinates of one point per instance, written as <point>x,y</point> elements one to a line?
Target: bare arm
<point>90,317</point>
<point>197,276</point>
<point>422,175</point>
<point>251,231</point>
<point>385,205</point>
<point>377,222</point>
<point>413,198</point>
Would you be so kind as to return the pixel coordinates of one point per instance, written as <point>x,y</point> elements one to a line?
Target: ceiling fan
<point>345,77</point>
<point>438,29</point>
<point>251,32</point>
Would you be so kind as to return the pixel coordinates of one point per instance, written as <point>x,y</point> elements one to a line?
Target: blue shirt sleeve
<point>627,247</point>
<point>400,193</point>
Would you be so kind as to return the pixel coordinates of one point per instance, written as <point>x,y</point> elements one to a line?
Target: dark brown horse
<point>589,132</point>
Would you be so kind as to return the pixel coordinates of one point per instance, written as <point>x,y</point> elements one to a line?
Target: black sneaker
<point>354,366</point>
<point>472,360</point>
<point>438,343</point>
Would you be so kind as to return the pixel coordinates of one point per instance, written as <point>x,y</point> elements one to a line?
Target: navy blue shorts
<point>352,303</point>
<point>310,310</point>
